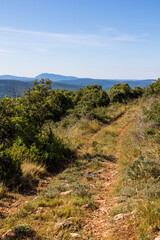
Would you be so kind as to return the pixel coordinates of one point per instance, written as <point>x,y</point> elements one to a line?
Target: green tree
<point>7,127</point>
<point>138,92</point>
<point>154,88</point>
<point>120,93</point>
<point>90,97</point>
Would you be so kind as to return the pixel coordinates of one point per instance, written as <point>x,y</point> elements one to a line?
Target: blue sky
<point>85,38</point>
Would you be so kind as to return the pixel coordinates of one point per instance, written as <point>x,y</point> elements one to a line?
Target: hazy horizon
<point>21,76</point>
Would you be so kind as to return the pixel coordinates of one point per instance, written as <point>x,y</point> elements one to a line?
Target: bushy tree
<point>120,93</point>
<point>22,120</point>
<point>51,151</point>
<point>138,92</point>
<point>7,127</point>
<point>154,88</point>
<point>90,97</point>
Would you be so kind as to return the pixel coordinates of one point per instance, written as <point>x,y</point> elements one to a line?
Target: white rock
<point>75,235</point>
<point>119,216</point>
<point>64,224</point>
<point>66,193</point>
<point>8,235</point>
<point>157,238</point>
<point>102,209</point>
<point>36,199</point>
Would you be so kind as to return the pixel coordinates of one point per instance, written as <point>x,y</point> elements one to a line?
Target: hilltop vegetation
<point>45,131</point>
<point>26,121</point>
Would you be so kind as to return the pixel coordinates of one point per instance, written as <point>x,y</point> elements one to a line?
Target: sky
<point>84,38</point>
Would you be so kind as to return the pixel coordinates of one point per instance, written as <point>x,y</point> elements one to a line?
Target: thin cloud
<point>128,38</point>
<point>4,50</point>
<point>53,39</point>
<point>41,50</point>
<point>87,40</point>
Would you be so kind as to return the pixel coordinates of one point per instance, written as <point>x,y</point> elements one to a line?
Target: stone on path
<point>157,238</point>
<point>120,216</point>
<point>74,235</point>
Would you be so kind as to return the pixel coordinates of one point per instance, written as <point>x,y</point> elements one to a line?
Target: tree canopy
<point>120,92</point>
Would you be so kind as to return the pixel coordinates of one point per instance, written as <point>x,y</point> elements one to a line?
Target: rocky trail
<point>105,127</point>
<point>100,223</point>
<point>119,139</point>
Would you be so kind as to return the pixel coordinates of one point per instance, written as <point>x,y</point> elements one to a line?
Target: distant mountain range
<point>53,77</point>
<point>10,85</point>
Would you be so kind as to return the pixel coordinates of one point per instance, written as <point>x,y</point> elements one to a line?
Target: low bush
<point>143,169</point>
<point>70,174</point>
<point>3,191</point>
<point>148,218</point>
<point>23,230</point>
<point>10,169</point>
<point>52,152</point>
<point>154,88</point>
<point>81,189</point>
<point>54,189</point>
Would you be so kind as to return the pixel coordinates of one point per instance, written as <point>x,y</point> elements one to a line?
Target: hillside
<point>55,77</point>
<point>15,87</point>
<point>11,87</point>
<point>81,164</point>
<point>107,84</point>
<point>11,77</point>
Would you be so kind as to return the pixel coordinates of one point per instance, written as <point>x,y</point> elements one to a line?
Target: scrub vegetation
<point>58,149</point>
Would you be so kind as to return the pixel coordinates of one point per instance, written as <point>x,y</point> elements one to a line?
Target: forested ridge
<point>13,86</point>
<point>56,145</point>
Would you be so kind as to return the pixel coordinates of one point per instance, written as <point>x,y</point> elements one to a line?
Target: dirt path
<point>91,139</point>
<point>119,139</point>
<point>100,224</point>
<point>13,202</point>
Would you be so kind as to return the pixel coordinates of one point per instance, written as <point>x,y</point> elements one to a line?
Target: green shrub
<point>23,230</point>
<point>143,169</point>
<point>85,201</point>
<point>120,93</point>
<point>54,189</point>
<point>3,191</point>
<point>50,151</point>
<point>148,219</point>
<point>143,189</point>
<point>90,97</point>
<point>70,174</point>
<point>138,92</point>
<point>154,88</point>
<point>10,169</point>
<point>153,114</point>
<point>81,189</point>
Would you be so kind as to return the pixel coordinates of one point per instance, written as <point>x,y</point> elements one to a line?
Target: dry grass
<point>32,173</point>
<point>141,196</point>
<point>3,191</point>
<point>33,169</point>
<point>76,131</point>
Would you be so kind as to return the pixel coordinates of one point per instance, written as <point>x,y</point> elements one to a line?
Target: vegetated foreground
<point>81,165</point>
